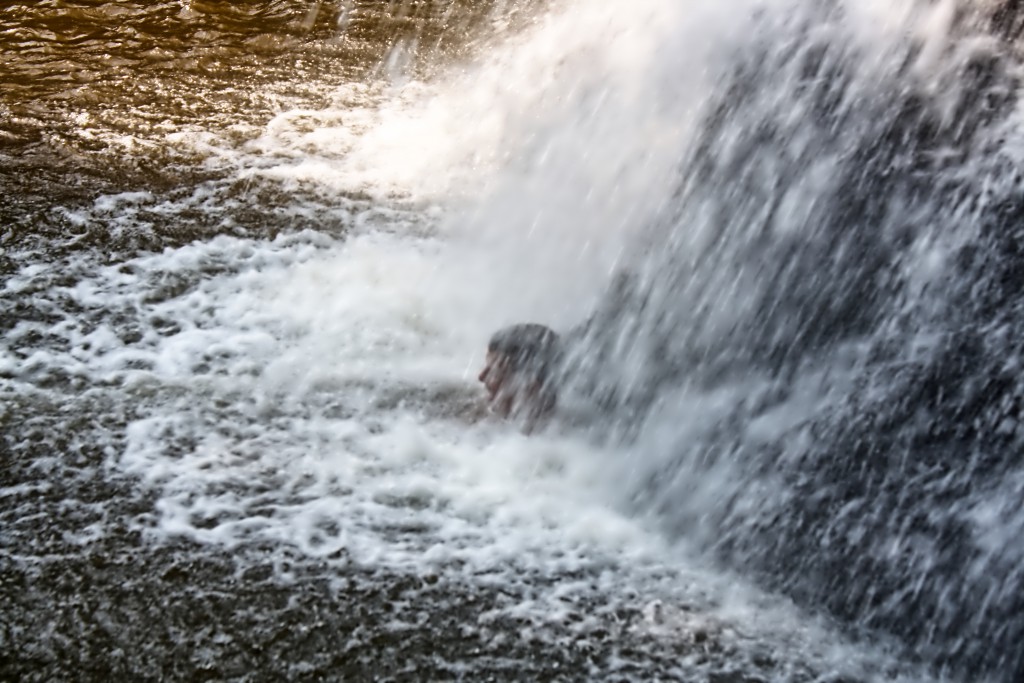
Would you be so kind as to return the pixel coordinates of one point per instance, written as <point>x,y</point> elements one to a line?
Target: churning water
<point>251,256</point>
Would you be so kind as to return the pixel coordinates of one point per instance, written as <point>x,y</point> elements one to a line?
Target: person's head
<point>517,370</point>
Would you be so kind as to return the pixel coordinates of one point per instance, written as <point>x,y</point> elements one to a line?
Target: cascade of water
<point>813,351</point>
<point>810,343</point>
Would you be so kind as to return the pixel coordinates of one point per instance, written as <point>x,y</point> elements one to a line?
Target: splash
<point>803,217</point>
<point>811,353</point>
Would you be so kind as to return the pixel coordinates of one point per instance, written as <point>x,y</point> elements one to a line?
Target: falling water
<point>249,257</point>
<point>812,353</point>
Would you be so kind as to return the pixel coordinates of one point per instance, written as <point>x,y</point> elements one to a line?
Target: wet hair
<point>529,348</point>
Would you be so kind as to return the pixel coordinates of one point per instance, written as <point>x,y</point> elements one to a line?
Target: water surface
<point>250,253</point>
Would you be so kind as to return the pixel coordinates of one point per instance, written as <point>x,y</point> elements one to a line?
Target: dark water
<point>809,376</point>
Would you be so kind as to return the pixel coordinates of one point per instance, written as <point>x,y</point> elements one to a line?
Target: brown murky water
<point>79,79</point>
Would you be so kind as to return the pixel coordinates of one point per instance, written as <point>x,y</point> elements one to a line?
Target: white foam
<point>317,393</point>
<point>299,331</point>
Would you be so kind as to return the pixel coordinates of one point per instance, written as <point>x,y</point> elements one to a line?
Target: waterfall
<point>811,350</point>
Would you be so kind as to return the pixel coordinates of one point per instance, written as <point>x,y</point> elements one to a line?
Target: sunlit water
<point>257,317</point>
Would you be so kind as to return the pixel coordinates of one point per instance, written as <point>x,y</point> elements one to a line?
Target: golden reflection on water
<point>90,90</point>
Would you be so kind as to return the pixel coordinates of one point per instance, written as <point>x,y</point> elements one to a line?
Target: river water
<point>251,253</point>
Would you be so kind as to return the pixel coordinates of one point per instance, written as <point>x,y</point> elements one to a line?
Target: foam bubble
<point>318,394</point>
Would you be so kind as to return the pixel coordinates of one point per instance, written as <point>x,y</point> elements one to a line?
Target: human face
<point>494,374</point>
<point>502,383</point>
<point>508,393</point>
